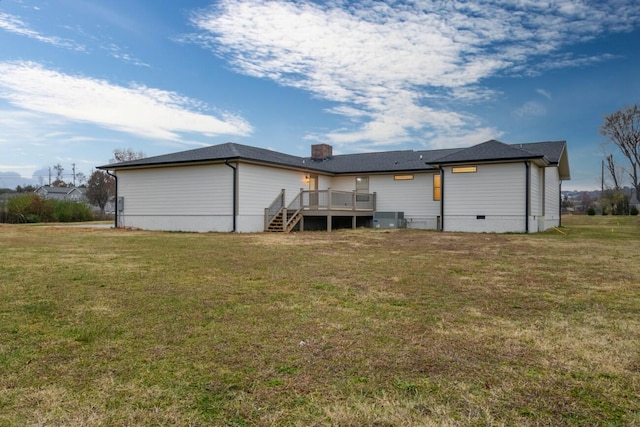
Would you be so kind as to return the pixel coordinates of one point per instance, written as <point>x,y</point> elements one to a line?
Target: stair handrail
<point>274,208</point>
<point>295,205</point>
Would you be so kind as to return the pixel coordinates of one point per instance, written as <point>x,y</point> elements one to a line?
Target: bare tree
<point>622,128</point>
<point>82,178</point>
<point>126,154</point>
<point>615,172</point>
<point>614,196</point>
<point>59,169</point>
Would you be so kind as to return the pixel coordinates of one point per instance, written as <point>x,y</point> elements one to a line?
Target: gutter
<point>527,201</point>
<point>116,212</point>
<point>235,187</point>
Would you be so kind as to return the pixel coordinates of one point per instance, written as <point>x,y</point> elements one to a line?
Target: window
<point>362,184</point>
<point>402,177</point>
<point>464,169</point>
<point>437,188</point>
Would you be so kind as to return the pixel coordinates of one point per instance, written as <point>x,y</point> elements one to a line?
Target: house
<point>71,194</point>
<point>489,187</point>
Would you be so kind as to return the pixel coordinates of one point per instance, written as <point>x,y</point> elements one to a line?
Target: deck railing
<point>337,200</point>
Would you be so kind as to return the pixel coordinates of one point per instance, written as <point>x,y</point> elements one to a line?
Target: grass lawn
<point>103,327</point>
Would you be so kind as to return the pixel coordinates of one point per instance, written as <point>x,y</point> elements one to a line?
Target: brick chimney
<point>321,151</point>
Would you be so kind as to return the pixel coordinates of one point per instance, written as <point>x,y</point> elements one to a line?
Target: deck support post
<point>266,218</point>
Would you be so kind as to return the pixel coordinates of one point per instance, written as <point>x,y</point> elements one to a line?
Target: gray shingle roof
<point>552,150</point>
<point>489,151</point>
<point>386,161</point>
<point>225,151</point>
<point>60,190</point>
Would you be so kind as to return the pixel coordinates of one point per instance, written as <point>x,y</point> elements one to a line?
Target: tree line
<point>99,191</point>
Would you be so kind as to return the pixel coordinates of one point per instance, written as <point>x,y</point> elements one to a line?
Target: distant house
<point>489,187</point>
<point>72,194</point>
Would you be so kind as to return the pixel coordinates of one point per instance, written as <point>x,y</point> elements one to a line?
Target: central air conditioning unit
<point>389,220</point>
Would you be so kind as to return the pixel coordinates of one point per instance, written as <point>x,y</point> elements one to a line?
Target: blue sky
<point>80,78</point>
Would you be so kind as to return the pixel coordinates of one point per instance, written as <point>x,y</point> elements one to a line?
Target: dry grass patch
<point>364,327</point>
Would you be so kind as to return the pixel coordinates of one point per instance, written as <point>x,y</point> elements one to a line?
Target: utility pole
<point>74,173</point>
<point>602,180</point>
<point>49,176</point>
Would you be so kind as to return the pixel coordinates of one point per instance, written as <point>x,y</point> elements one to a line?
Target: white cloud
<point>544,93</point>
<point>138,110</point>
<point>117,52</point>
<point>567,61</point>
<point>15,25</point>
<point>400,70</point>
<point>19,126</point>
<point>530,109</point>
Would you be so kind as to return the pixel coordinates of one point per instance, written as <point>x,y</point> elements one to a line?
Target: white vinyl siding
<point>343,183</point>
<point>187,198</point>
<point>493,190</point>
<point>536,190</point>
<point>324,182</point>
<point>552,197</point>
<point>258,186</point>
<point>413,197</point>
<point>538,182</point>
<point>490,200</point>
<point>189,190</point>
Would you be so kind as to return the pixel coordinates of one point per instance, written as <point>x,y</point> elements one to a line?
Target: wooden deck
<point>322,203</point>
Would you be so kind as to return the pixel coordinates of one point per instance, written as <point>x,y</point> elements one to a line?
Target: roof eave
<point>116,166</point>
<point>563,165</point>
<point>302,166</point>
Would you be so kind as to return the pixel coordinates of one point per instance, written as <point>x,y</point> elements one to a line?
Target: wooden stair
<point>293,219</point>
<point>278,223</point>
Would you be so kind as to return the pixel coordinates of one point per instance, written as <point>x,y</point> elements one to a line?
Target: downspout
<point>441,199</point>
<point>115,220</point>
<point>560,205</point>
<point>235,187</point>
<point>527,201</point>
